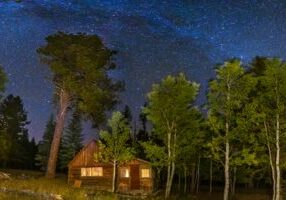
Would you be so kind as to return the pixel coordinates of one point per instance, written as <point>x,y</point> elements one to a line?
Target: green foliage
<point>156,154</point>
<point>113,143</point>
<point>270,102</point>
<point>230,80</point>
<point>229,95</point>
<point>45,144</point>
<point>192,144</point>
<point>169,107</point>
<point>79,64</point>
<point>71,141</point>
<point>274,84</point>
<point>170,111</point>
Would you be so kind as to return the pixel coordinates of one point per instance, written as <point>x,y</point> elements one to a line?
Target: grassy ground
<point>34,181</point>
<point>4,196</point>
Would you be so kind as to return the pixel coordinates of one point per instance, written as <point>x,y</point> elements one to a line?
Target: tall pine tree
<point>142,134</point>
<point>14,133</point>
<point>79,65</point>
<point>71,142</point>
<point>45,144</point>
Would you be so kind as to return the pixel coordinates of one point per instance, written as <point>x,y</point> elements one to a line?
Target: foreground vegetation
<point>35,181</point>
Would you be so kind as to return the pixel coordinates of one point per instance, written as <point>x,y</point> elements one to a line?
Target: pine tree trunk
<point>227,148</point>
<point>171,168</point>
<point>226,173</point>
<point>60,121</point>
<point>198,174</point>
<point>179,185</point>
<point>193,179</point>
<point>251,184</point>
<point>185,181</point>
<point>273,180</point>
<point>273,172</point>
<point>234,181</point>
<point>226,166</point>
<point>167,192</point>
<point>211,176</point>
<point>171,180</point>
<point>278,176</point>
<point>114,176</point>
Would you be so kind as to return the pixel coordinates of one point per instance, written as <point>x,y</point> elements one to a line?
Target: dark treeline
<point>17,150</point>
<point>238,142</point>
<point>71,143</point>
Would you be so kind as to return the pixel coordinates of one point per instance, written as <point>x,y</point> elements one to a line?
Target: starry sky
<point>153,37</point>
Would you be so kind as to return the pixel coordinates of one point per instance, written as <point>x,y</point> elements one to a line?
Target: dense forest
<point>236,139</point>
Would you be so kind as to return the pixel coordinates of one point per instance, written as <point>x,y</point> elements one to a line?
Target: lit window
<point>124,172</point>
<point>92,171</point>
<point>83,171</point>
<point>97,171</point>
<point>88,171</point>
<point>145,173</point>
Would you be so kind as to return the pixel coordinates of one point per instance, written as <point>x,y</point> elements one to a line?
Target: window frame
<point>91,171</point>
<point>141,172</point>
<point>126,170</point>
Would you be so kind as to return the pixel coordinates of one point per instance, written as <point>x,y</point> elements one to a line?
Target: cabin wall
<point>146,184</point>
<point>125,184</point>
<point>98,182</point>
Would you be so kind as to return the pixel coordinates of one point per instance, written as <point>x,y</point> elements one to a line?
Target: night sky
<point>153,37</point>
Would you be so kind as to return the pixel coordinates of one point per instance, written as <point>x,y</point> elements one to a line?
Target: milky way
<point>153,38</point>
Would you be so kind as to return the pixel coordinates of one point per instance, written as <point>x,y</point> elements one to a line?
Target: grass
<point>4,196</point>
<point>42,185</point>
<point>35,181</point>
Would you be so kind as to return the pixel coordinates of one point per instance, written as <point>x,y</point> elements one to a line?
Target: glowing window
<point>145,173</point>
<point>124,172</point>
<point>92,171</point>
<point>83,171</point>
<point>97,171</point>
<point>88,171</point>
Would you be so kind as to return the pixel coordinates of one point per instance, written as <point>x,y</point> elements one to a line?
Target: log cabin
<point>133,177</point>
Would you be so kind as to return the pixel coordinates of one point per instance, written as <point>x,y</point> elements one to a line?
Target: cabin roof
<point>95,141</point>
<point>83,149</point>
<point>141,160</point>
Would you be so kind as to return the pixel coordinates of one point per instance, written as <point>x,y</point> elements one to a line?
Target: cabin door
<point>135,177</point>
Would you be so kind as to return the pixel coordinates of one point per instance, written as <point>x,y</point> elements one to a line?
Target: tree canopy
<point>79,64</point>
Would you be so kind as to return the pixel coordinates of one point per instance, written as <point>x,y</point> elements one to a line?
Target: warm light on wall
<point>145,173</point>
<point>124,172</point>
<point>92,171</point>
